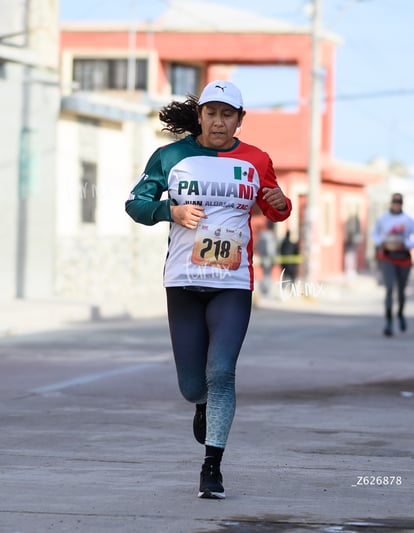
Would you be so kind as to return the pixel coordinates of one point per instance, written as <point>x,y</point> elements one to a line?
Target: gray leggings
<point>394,274</point>
<point>207,331</point>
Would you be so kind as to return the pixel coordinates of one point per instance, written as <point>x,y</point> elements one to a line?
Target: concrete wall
<point>10,111</point>
<point>38,265</point>
<point>29,105</point>
<point>113,264</point>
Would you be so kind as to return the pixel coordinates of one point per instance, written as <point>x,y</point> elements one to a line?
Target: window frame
<point>177,86</point>
<point>83,73</point>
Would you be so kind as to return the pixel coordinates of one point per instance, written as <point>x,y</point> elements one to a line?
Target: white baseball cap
<point>221,91</point>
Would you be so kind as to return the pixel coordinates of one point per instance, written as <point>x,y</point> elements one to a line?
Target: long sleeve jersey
<point>226,183</point>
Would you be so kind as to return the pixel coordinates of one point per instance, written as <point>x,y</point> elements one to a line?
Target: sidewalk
<point>342,294</point>
<point>26,316</point>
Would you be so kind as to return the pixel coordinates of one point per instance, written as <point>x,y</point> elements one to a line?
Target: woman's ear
<point>241,117</point>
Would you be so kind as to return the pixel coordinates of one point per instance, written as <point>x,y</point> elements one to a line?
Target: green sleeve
<point>144,204</point>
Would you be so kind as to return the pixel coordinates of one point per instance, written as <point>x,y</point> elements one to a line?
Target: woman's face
<point>396,204</point>
<point>218,123</point>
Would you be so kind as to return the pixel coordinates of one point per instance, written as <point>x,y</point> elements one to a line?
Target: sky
<point>374,71</point>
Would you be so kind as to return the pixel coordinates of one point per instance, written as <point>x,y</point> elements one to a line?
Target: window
<point>88,192</point>
<point>184,79</point>
<point>102,74</point>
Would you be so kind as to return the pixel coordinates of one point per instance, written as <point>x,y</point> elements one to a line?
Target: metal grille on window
<point>102,74</point>
<point>88,192</point>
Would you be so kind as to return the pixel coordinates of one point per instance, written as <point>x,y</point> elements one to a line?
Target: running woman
<point>393,235</point>
<point>213,180</point>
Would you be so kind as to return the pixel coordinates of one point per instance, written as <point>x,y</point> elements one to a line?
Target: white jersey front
<point>218,253</point>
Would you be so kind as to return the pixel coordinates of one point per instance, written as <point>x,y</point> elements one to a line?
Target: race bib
<point>394,242</point>
<point>217,246</point>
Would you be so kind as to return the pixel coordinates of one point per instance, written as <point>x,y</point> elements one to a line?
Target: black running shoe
<point>388,329</point>
<point>199,423</point>
<point>403,323</point>
<point>211,482</point>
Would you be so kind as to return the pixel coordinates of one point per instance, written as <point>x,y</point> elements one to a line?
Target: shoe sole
<point>208,495</point>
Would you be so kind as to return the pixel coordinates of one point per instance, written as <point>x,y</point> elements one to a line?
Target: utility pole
<point>132,48</point>
<point>312,212</point>
<point>25,161</point>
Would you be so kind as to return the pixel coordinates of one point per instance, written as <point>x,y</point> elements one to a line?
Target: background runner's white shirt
<point>397,227</point>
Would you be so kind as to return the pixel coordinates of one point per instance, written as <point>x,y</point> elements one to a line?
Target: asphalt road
<point>95,436</point>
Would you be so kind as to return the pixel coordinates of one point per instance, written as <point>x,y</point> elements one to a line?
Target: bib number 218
<point>221,248</point>
<point>217,247</point>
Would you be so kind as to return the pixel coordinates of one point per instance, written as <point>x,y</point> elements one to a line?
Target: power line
<point>367,48</point>
<point>407,137</point>
<point>385,93</point>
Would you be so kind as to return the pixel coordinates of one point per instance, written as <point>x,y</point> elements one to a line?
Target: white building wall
<point>40,231</point>
<point>29,101</point>
<point>115,168</point>
<point>67,183</point>
<point>114,265</point>
<point>10,107</point>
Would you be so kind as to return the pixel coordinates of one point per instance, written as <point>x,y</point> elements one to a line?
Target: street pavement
<point>96,438</point>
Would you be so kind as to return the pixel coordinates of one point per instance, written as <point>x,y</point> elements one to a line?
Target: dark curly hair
<point>181,117</point>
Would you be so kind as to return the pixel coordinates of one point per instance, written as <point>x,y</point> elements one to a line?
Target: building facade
<point>152,63</point>
<point>29,107</point>
<point>101,258</point>
<point>114,80</point>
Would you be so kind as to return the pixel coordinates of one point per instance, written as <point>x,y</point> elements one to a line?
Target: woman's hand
<point>275,198</point>
<point>187,215</point>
